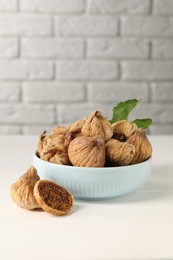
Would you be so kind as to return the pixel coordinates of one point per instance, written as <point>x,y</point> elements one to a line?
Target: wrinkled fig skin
<point>143,148</point>
<point>97,125</point>
<point>74,131</point>
<point>87,151</point>
<point>53,149</point>
<point>22,190</point>
<point>123,129</point>
<point>41,140</point>
<point>77,126</point>
<point>119,153</point>
<point>60,130</point>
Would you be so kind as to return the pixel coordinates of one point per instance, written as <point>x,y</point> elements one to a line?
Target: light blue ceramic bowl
<point>95,183</point>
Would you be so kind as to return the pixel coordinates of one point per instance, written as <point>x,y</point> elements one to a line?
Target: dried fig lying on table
<point>53,198</point>
<point>22,190</point>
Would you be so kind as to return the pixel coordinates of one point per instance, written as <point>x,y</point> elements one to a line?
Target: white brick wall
<point>83,25</point>
<point>9,47</point>
<point>117,91</point>
<point>60,59</point>
<point>25,24</point>
<point>163,49</point>
<point>52,6</point>
<point>52,48</point>
<point>147,26</point>
<point>58,92</point>
<point>119,6</point>
<point>147,70</point>
<point>17,69</point>
<point>10,92</point>
<point>118,48</point>
<point>163,7</point>
<point>27,114</point>
<point>87,70</point>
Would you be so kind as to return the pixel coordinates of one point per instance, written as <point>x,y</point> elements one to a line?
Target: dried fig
<point>60,130</point>
<point>52,148</point>
<point>77,126</point>
<point>42,139</point>
<point>53,198</point>
<point>143,148</point>
<point>22,190</point>
<point>87,151</point>
<point>74,131</point>
<point>123,129</point>
<point>119,153</point>
<point>97,125</point>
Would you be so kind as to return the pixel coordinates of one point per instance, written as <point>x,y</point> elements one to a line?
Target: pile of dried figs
<point>98,142</point>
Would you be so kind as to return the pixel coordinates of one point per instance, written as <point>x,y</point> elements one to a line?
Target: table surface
<point>136,226</point>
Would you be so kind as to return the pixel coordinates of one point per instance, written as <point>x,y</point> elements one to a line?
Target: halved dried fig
<point>53,198</point>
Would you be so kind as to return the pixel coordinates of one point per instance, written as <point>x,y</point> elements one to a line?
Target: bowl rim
<point>35,155</point>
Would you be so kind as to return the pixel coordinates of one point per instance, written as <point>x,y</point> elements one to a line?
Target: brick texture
<point>119,6</point>
<point>25,24</point>
<point>10,92</point>
<point>54,6</point>
<point>160,113</point>
<point>61,59</point>
<point>117,91</point>
<point>79,111</point>
<point>25,69</point>
<point>86,25</point>
<point>8,47</point>
<point>52,48</point>
<point>163,49</point>
<point>118,48</point>
<point>147,26</point>
<point>147,70</point>
<point>49,92</point>
<point>29,114</point>
<point>162,92</point>
<point>91,70</point>
<point>163,7</point>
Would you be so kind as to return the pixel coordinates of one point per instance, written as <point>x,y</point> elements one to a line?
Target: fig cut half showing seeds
<point>53,198</point>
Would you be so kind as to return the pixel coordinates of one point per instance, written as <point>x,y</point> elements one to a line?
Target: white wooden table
<point>136,226</point>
